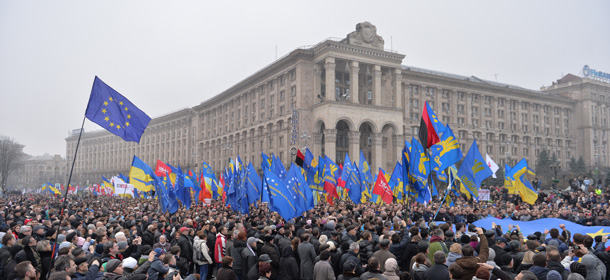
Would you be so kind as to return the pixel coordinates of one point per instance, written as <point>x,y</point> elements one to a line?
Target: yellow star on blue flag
<point>112,111</point>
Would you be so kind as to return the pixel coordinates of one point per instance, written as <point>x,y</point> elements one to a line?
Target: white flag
<point>492,165</point>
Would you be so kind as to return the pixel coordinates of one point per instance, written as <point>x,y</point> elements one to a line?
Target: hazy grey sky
<point>168,55</point>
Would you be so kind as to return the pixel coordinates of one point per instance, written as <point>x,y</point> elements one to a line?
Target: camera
<point>577,248</point>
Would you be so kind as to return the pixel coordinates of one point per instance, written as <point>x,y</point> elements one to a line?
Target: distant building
<point>37,170</point>
<point>347,95</point>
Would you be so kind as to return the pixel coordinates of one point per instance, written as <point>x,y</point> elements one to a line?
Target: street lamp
<point>305,137</point>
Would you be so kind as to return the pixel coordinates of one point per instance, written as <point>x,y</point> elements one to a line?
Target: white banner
<point>483,195</point>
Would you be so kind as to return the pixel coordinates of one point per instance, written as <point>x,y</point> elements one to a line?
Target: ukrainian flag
<point>141,175</point>
<point>521,184</point>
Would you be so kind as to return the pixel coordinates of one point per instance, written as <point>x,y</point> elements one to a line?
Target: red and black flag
<point>299,159</point>
<point>429,127</point>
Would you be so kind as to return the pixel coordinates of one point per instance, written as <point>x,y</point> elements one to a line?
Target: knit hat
<point>264,258</point>
<point>130,263</point>
<point>111,265</point>
<point>99,248</point>
<point>579,268</point>
<point>64,244</point>
<point>61,238</point>
<point>70,236</point>
<point>80,241</point>
<point>50,232</point>
<point>349,266</point>
<point>79,261</point>
<point>159,252</point>
<point>553,275</point>
<point>77,251</point>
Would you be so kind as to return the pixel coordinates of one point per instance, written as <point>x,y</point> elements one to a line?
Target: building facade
<point>346,96</point>
<point>34,171</point>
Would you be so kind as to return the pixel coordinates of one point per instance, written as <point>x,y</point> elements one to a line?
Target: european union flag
<point>365,169</point>
<point>446,152</point>
<point>112,111</point>
<point>182,192</point>
<point>282,200</point>
<point>305,192</point>
<point>347,167</point>
<point>474,170</point>
<point>253,184</point>
<point>354,185</point>
<point>292,183</point>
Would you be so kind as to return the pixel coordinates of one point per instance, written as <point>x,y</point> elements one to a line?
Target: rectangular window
<point>293,90</point>
<point>414,103</point>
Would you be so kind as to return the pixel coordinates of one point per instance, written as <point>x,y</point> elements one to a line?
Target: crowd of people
<point>99,237</point>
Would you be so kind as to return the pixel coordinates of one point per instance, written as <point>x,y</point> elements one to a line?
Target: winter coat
<point>372,274</point>
<point>383,255</point>
<point>452,257</point>
<point>438,271</point>
<point>249,260</point>
<point>186,248</point>
<point>469,264</point>
<point>156,270</point>
<point>289,269</point>
<point>274,255</point>
<point>399,249</point>
<point>200,244</point>
<point>347,276</point>
<point>307,254</point>
<point>323,271</point>
<point>366,251</point>
<point>351,256</point>
<point>90,275</point>
<point>540,272</point>
<point>226,273</point>
<point>219,247</point>
<point>418,272</point>
<point>235,251</point>
<point>391,269</point>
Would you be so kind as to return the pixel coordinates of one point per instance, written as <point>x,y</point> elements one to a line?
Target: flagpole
<point>446,194</point>
<point>63,207</point>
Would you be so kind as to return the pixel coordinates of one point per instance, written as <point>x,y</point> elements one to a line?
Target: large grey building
<point>346,95</point>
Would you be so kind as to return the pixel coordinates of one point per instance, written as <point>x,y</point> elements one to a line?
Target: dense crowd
<point>100,237</point>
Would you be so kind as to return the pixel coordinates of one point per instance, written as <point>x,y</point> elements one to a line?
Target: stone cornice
<point>333,46</point>
<point>506,91</point>
<point>257,78</point>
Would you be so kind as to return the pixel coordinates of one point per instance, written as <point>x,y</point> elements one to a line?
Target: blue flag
<point>305,193</point>
<point>347,167</point>
<point>112,111</point>
<point>354,185</point>
<point>182,192</point>
<point>419,165</point>
<point>365,169</point>
<point>253,184</point>
<point>282,201</point>
<point>171,196</point>
<point>292,183</point>
<point>446,152</point>
<point>473,170</point>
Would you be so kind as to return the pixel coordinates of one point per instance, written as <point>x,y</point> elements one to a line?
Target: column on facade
<point>329,66</point>
<point>398,143</point>
<point>354,146</point>
<point>397,88</point>
<point>377,152</point>
<point>377,85</point>
<point>316,82</point>
<point>353,86</point>
<point>330,143</point>
<point>317,144</point>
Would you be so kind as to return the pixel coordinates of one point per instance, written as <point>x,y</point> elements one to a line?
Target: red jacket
<point>219,247</point>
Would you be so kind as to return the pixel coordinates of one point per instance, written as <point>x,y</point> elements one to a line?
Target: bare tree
<point>10,158</point>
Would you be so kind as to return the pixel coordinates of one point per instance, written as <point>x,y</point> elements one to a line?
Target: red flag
<point>222,183</point>
<point>204,193</point>
<point>162,169</point>
<point>382,189</point>
<point>299,159</point>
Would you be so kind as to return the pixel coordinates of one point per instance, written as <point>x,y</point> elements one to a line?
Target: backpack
<point>198,254</point>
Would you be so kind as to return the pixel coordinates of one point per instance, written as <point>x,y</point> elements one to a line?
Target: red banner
<point>162,168</point>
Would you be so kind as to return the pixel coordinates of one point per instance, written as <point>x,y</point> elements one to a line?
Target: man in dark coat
<point>270,249</point>
<point>148,237</point>
<point>383,254</point>
<point>307,255</point>
<point>554,263</point>
<point>352,255</point>
<point>253,271</point>
<point>249,257</point>
<point>289,269</point>
<point>186,248</point>
<point>439,270</point>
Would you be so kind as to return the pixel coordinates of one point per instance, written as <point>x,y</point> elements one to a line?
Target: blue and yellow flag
<point>266,161</point>
<point>521,184</point>
<point>446,152</point>
<point>508,183</point>
<point>474,170</point>
<point>396,182</point>
<point>419,165</point>
<point>141,175</point>
<point>282,200</point>
<point>365,169</point>
<point>112,111</point>
<point>49,188</point>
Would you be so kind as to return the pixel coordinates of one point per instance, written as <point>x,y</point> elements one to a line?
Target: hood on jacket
<point>239,244</point>
<point>419,267</point>
<point>287,251</point>
<point>452,257</point>
<point>391,265</point>
<point>468,263</point>
<point>590,262</point>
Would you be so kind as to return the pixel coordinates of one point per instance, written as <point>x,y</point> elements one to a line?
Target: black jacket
<point>186,248</point>
<point>289,269</point>
<point>437,272</point>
